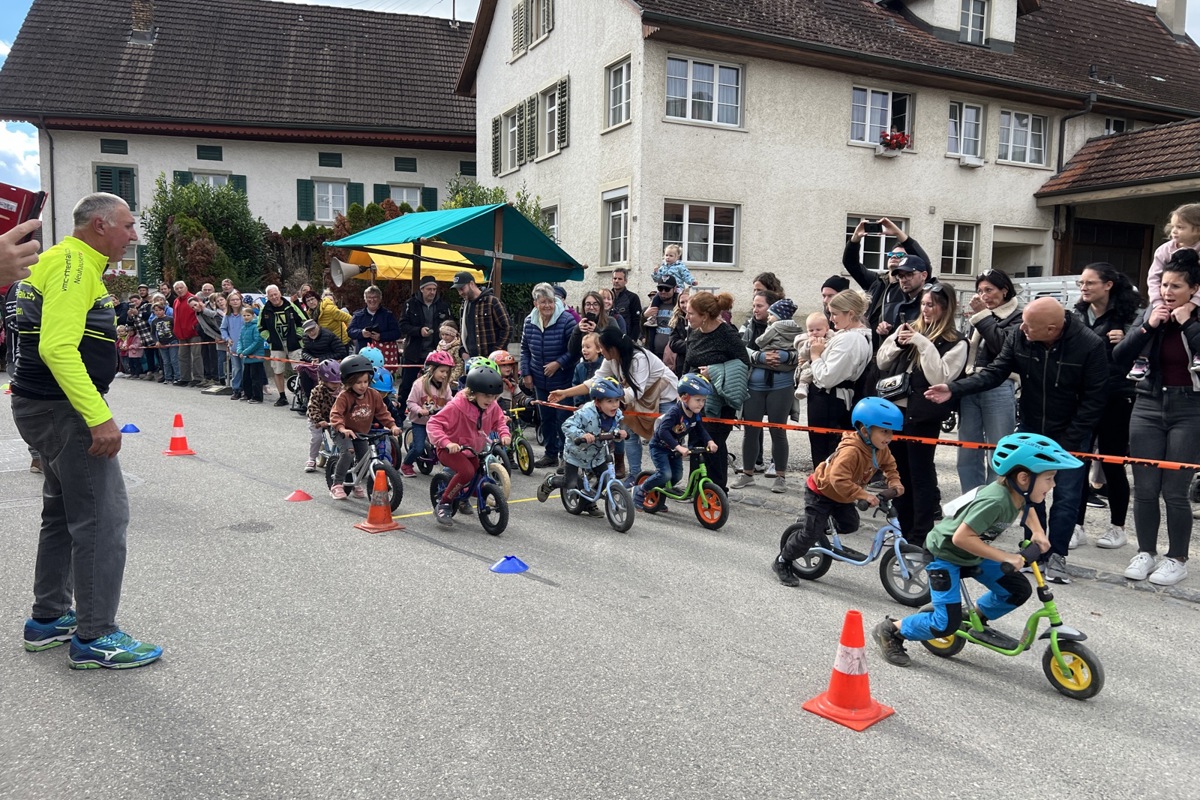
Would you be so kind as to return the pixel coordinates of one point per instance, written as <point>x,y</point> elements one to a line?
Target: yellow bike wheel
<point>1083,676</point>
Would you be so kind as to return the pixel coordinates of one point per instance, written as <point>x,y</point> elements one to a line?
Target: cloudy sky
<point>18,141</point>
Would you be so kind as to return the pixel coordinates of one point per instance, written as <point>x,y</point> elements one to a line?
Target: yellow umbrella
<point>394,262</point>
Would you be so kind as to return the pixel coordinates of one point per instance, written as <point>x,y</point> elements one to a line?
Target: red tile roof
<point>1161,153</point>
<point>239,62</point>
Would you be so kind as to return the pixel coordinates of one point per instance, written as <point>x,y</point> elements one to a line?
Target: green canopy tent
<point>496,238</point>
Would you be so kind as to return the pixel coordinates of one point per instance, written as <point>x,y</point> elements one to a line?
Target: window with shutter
<point>355,194</point>
<point>518,29</point>
<point>333,160</point>
<point>547,16</point>
<point>306,206</point>
<point>182,178</point>
<point>495,146</point>
<point>115,147</point>
<point>209,152</point>
<point>519,144</point>
<point>121,181</point>
<point>429,198</point>
<point>467,169</point>
<point>531,128</point>
<point>382,192</point>
<point>238,182</point>
<point>404,164</point>
<point>564,115</point>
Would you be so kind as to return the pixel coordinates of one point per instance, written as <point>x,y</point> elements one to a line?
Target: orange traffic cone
<point>848,701</point>
<point>379,517</point>
<point>179,445</point>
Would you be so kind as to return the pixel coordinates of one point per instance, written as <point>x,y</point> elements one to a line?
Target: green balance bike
<point>708,500</point>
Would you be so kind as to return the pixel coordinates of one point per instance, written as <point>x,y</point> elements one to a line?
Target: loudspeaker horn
<point>341,272</point>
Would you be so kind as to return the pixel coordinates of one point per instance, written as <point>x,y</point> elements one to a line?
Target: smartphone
<point>591,317</point>
<point>872,227</point>
<point>35,211</point>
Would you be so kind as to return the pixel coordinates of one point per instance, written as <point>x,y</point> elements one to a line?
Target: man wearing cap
<point>895,297</point>
<point>420,320</point>
<point>316,345</point>
<point>484,323</point>
<point>832,285</point>
<point>658,315</point>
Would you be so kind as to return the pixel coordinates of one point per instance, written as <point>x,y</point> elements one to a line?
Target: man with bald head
<point>1064,374</point>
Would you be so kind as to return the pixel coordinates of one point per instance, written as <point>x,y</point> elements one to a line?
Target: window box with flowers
<point>890,144</point>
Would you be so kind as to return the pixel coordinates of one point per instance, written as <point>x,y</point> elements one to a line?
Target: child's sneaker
<point>464,507</point>
<point>442,514</point>
<point>1141,368</point>
<point>785,573</point>
<point>44,635</point>
<point>359,491</point>
<point>337,492</point>
<point>407,471</point>
<point>891,643</point>
<point>310,465</point>
<point>117,650</point>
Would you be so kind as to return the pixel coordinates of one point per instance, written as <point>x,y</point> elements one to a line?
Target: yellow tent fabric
<point>397,265</point>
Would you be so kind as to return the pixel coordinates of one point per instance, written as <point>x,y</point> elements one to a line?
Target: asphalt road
<point>305,658</point>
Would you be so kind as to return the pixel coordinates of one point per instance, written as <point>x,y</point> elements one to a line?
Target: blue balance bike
<point>618,502</point>
<point>487,492</point>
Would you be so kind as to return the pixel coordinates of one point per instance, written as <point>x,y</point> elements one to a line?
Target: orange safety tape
<point>1104,459</point>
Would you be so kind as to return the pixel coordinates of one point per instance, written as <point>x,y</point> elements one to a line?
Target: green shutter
<point>182,178</point>
<point>105,179</point>
<point>306,200</point>
<point>405,164</point>
<point>209,152</point>
<point>564,112</point>
<point>495,145</point>
<point>382,192</point>
<point>354,194</point>
<point>429,199</point>
<point>522,131</point>
<point>140,252</point>
<point>126,186</point>
<point>238,182</point>
<point>115,147</point>
<point>467,168</point>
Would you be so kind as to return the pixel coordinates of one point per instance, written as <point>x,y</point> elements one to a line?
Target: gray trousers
<point>191,360</point>
<point>1165,428</point>
<point>775,405</point>
<point>83,527</point>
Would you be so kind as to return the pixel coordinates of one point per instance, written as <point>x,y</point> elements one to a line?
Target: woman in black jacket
<point>1108,305</point>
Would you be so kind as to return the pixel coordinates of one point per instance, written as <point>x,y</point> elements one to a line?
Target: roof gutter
<point>1088,102</point>
<point>1104,187</point>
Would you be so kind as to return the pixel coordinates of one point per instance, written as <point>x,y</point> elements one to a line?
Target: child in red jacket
<point>356,408</point>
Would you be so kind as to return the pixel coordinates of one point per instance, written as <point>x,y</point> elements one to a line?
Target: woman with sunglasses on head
<point>988,416</point>
<point>931,352</point>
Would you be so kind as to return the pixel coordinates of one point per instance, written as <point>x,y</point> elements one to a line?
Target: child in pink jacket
<point>467,421</point>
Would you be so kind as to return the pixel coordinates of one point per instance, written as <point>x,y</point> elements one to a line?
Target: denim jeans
<point>985,417</point>
<point>552,422</point>
<point>235,372</point>
<point>1163,429</point>
<point>221,354</point>
<point>420,439</point>
<point>1008,592</point>
<point>170,359</point>
<point>634,445</point>
<point>668,468</point>
<point>82,542</point>
<point>1068,494</point>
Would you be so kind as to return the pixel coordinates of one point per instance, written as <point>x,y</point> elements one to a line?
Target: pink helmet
<point>439,358</point>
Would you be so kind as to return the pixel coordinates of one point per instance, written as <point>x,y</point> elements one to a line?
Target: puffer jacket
<point>587,419</point>
<point>333,319</point>
<point>542,344</point>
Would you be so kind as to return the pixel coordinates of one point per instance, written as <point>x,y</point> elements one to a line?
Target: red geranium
<point>895,140</point>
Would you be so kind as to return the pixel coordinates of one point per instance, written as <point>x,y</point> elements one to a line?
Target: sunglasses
<point>896,254</point>
<point>936,288</point>
<point>665,289</point>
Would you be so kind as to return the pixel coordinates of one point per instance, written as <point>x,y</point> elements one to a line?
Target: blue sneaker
<point>40,636</point>
<point>118,650</point>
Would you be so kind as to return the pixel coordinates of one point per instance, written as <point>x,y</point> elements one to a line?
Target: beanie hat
<point>782,309</point>
<point>837,283</point>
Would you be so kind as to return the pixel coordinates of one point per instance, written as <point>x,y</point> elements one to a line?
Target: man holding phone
<point>894,297</point>
<point>17,256</point>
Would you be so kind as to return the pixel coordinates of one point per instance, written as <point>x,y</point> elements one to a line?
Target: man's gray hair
<point>372,290</point>
<point>543,290</point>
<point>269,288</point>
<point>100,204</point>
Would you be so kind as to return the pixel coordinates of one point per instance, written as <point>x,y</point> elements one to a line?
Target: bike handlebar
<point>885,497</point>
<point>600,437</point>
<point>1030,552</point>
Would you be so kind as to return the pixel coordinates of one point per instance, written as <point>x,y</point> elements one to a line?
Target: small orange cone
<point>179,445</point>
<point>298,496</point>
<point>848,701</point>
<point>379,517</point>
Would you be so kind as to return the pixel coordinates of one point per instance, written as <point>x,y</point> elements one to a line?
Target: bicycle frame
<point>891,528</point>
<point>363,468</point>
<point>604,482</point>
<point>695,485</point>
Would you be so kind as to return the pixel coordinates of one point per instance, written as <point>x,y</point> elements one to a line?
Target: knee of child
<point>946,619</point>
<point>1018,587</point>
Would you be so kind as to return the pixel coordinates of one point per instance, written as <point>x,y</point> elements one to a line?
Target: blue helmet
<point>1031,452</point>
<point>372,354</point>
<point>606,388</point>
<point>382,381</point>
<point>694,383</point>
<point>875,412</point>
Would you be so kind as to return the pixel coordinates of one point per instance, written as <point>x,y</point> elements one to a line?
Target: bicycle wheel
<point>493,509</point>
<point>408,439</point>
<point>911,591</point>
<point>395,482</point>
<point>523,455</point>
<point>330,469</point>
<point>1085,674</point>
<point>711,506</point>
<point>499,474</point>
<point>655,499</point>
<point>943,646</point>
<point>436,487</point>
<point>811,565</point>
<point>425,465</point>
<point>571,501</point>
<point>619,508</point>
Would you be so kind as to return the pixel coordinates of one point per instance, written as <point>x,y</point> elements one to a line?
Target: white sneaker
<point>1141,566</point>
<point>1168,572</point>
<point>770,473</point>
<point>1077,538</point>
<point>1112,538</point>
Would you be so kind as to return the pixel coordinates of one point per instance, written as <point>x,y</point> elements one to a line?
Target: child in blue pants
<point>667,447</point>
<point>1026,464</point>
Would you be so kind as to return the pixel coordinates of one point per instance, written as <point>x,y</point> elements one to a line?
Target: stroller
<point>299,402</point>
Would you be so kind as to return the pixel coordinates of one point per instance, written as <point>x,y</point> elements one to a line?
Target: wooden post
<point>416,270</point>
<point>497,249</point>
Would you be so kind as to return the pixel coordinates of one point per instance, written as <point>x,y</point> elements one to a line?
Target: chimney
<point>1173,14</point>
<point>142,31</point>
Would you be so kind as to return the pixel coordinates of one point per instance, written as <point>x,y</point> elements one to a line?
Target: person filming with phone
<point>895,296</point>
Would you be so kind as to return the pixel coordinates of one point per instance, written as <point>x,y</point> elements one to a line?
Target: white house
<point>750,131</point>
<point>307,109</point>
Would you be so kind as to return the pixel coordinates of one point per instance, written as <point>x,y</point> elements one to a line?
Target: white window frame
<point>698,238</point>
<point>537,20</point>
<point>550,217</point>
<point>956,235</point>
<point>510,141</point>
<point>714,102</point>
<point>972,21</point>
<point>618,89</point>
<point>1020,126</point>
<point>868,130</point>
<point>872,247</point>
<point>1115,125</point>
<point>616,226</point>
<point>213,179</point>
<point>548,121</point>
<point>402,190</point>
<point>327,192</point>
<point>958,129</point>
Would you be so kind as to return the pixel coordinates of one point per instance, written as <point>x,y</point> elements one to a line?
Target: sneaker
<point>195,383</point>
<point>337,491</point>
<point>117,650</point>
<point>770,473</point>
<point>1094,500</point>
<point>890,643</point>
<point>784,572</point>
<point>254,402</point>
<point>760,466</point>
<point>359,492</point>
<point>1056,569</point>
<point>179,383</point>
<point>35,466</point>
<point>546,461</point>
<point>1169,572</point>
<point>44,635</point>
<point>1141,368</point>
<point>442,514</point>
<point>1140,566</point>
<point>593,510</point>
<point>235,396</point>
<point>464,507</point>
<point>1078,537</point>
<point>741,481</point>
<point>282,401</point>
<point>1112,538</point>
<point>310,465</point>
<point>407,471</point>
<point>779,486</point>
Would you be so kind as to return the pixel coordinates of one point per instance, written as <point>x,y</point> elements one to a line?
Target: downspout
<point>1058,232</point>
<point>50,191</point>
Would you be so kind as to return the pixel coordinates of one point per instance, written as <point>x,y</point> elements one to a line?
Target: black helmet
<point>485,381</point>
<point>355,365</point>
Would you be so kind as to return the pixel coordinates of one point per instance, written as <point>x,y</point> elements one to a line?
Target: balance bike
<point>708,500</point>
<point>489,497</point>
<point>618,502</point>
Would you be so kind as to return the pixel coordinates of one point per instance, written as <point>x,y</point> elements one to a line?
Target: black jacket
<point>1118,384</point>
<point>1145,340</point>
<point>326,345</point>
<point>629,306</point>
<point>886,302</point>
<point>412,319</point>
<point>1064,387</point>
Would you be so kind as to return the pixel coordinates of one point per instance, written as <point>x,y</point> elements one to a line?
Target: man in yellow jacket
<point>67,326</point>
